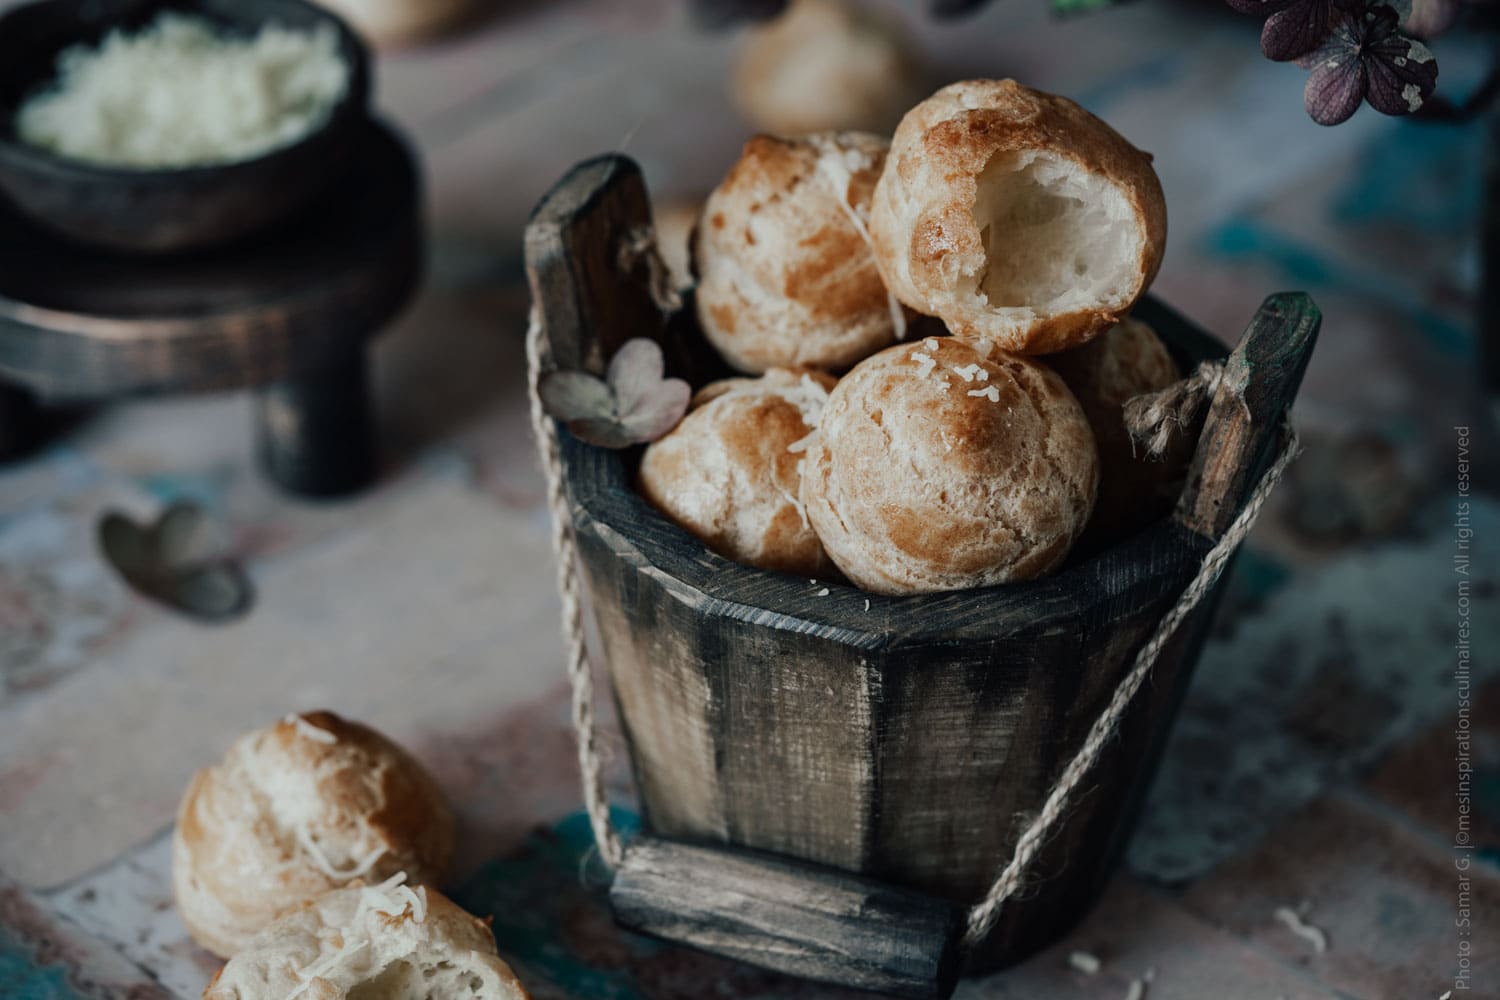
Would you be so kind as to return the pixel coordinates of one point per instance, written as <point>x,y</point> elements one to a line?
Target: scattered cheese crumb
<point>1307,932</point>
<point>392,898</point>
<point>930,343</point>
<point>838,166</point>
<point>1084,962</point>
<point>1137,990</point>
<point>867,604</point>
<point>315,733</point>
<point>988,392</point>
<point>925,363</point>
<point>823,592</point>
<point>970,372</point>
<point>314,972</point>
<point>321,862</point>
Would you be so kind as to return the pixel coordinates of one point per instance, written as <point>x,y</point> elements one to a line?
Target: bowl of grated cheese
<point>163,126</point>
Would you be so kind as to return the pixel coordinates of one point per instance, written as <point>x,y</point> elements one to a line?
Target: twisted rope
<point>983,914</point>
<point>1154,420</point>
<point>565,546</point>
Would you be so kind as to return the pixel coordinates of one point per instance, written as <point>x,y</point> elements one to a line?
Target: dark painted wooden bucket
<point>907,739</point>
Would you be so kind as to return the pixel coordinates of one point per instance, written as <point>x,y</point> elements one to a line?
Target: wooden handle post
<point>589,304</point>
<point>1245,419</point>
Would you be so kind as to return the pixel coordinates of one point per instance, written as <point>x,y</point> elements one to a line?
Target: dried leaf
<point>165,561</point>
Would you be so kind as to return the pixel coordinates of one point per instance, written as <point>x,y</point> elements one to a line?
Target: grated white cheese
<point>824,592</point>
<point>392,898</point>
<point>314,972</point>
<point>179,93</point>
<point>971,372</point>
<point>1137,990</point>
<point>315,733</point>
<point>925,363</point>
<point>1084,962</point>
<point>867,604</point>
<point>988,392</point>
<point>327,867</point>
<point>838,166</point>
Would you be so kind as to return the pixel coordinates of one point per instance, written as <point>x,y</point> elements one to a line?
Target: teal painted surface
<point>553,924</point>
<point>1245,240</point>
<point>553,883</point>
<point>1425,178</point>
<point>22,979</point>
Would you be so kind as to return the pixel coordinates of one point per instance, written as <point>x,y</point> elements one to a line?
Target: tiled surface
<point>1313,761</point>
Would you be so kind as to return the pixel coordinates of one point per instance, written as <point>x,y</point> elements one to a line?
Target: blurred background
<point>1313,760</point>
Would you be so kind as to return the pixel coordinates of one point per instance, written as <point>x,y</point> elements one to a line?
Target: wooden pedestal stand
<point>289,314</point>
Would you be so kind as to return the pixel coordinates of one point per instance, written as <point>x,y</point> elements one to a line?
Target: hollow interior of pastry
<point>1057,237</point>
<point>439,979</point>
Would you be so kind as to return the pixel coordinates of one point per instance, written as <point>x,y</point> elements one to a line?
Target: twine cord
<point>1152,422</point>
<point>1153,418</point>
<point>565,546</point>
<point>983,914</point>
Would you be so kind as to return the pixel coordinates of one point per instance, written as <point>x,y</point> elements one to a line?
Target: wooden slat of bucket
<point>804,920</point>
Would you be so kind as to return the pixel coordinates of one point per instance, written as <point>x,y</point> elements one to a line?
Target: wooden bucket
<point>907,739</point>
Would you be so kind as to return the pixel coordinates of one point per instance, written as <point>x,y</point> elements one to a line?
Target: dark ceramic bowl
<point>173,209</point>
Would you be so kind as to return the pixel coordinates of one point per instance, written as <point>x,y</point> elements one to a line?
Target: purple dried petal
<point>635,372</point>
<point>1298,30</point>
<point>1402,74</point>
<point>571,395</point>
<point>656,415</point>
<point>1334,90</point>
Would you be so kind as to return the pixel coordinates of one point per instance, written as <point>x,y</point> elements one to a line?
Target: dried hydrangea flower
<point>1302,26</point>
<point>1367,57</point>
<point>631,405</point>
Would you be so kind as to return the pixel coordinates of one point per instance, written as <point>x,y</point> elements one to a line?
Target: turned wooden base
<point>289,315</point>
<point>314,433</point>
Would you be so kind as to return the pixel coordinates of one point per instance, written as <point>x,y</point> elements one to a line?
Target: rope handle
<point>982,915</point>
